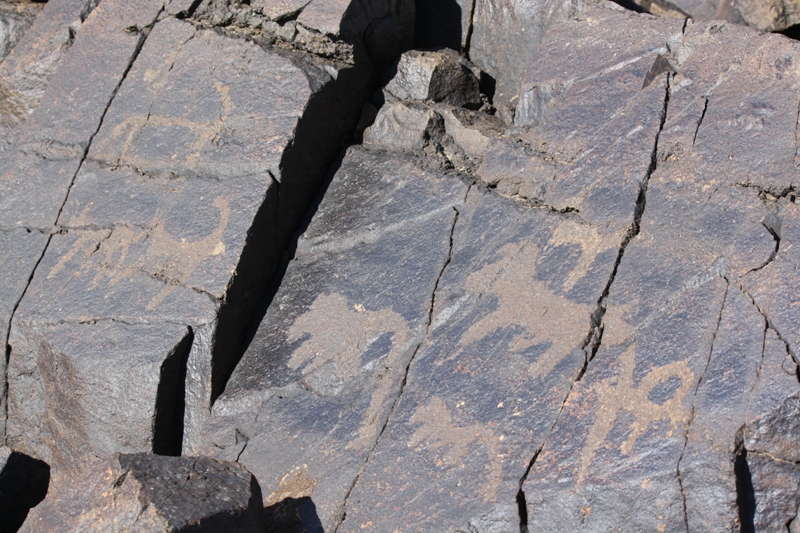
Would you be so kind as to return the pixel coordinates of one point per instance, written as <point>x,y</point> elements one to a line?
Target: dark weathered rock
<point>472,131</point>
<point>35,174</point>
<point>768,15</point>
<point>435,77</point>
<point>330,356</point>
<point>582,116</point>
<point>50,150</point>
<point>512,314</point>
<point>141,492</point>
<point>772,455</point>
<point>199,137</point>
<point>568,303</point>
<point>651,436</point>
<point>21,251</point>
<point>747,361</point>
<point>23,485</point>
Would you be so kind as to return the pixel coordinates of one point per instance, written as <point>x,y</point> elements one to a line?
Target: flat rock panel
<point>330,355</point>
<point>513,314</point>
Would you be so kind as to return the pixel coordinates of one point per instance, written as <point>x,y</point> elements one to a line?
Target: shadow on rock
<point>23,484</point>
<point>293,515</point>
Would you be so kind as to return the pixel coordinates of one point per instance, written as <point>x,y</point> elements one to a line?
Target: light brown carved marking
<point>297,483</point>
<point>339,334</point>
<point>529,303</point>
<point>169,259</point>
<point>437,432</point>
<point>619,393</point>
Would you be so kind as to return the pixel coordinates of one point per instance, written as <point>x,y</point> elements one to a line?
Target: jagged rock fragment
<point>435,77</point>
<point>772,455</point>
<point>145,493</point>
<point>403,126</point>
<point>329,357</point>
<point>472,131</point>
<point>23,484</point>
<point>506,35</point>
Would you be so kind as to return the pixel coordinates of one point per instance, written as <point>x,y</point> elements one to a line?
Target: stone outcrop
<point>142,492</point>
<point>457,265</point>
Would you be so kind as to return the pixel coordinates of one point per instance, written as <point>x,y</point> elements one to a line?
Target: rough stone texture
<point>141,492</point>
<point>15,19</point>
<point>567,303</point>
<point>36,172</point>
<point>506,35</point>
<point>171,254</point>
<point>331,353</point>
<point>23,485</point>
<point>403,126</point>
<point>688,333</point>
<point>28,67</point>
<point>472,131</point>
<point>436,77</point>
<point>767,15</point>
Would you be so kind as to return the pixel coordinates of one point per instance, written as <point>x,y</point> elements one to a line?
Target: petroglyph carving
<point>203,134</point>
<point>438,433</point>
<point>620,393</point>
<point>338,334</point>
<point>164,257</point>
<point>296,483</point>
<point>522,300</point>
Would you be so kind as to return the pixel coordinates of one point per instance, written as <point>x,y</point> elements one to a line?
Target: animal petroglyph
<point>438,433</point>
<point>522,300</point>
<point>203,134</point>
<point>619,393</point>
<point>338,335</point>
<point>165,257</point>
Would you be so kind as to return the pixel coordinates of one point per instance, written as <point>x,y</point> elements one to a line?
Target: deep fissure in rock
<point>745,495</point>
<point>171,400</point>
<point>594,338</point>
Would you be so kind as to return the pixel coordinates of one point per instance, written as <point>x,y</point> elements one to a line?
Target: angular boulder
<point>440,77</point>
<point>402,126</point>
<point>144,493</point>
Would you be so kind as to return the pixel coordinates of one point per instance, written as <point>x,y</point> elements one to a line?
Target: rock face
<point>15,19</point>
<point>141,492</point>
<point>764,15</point>
<point>31,59</point>
<point>184,228</point>
<point>543,278</point>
